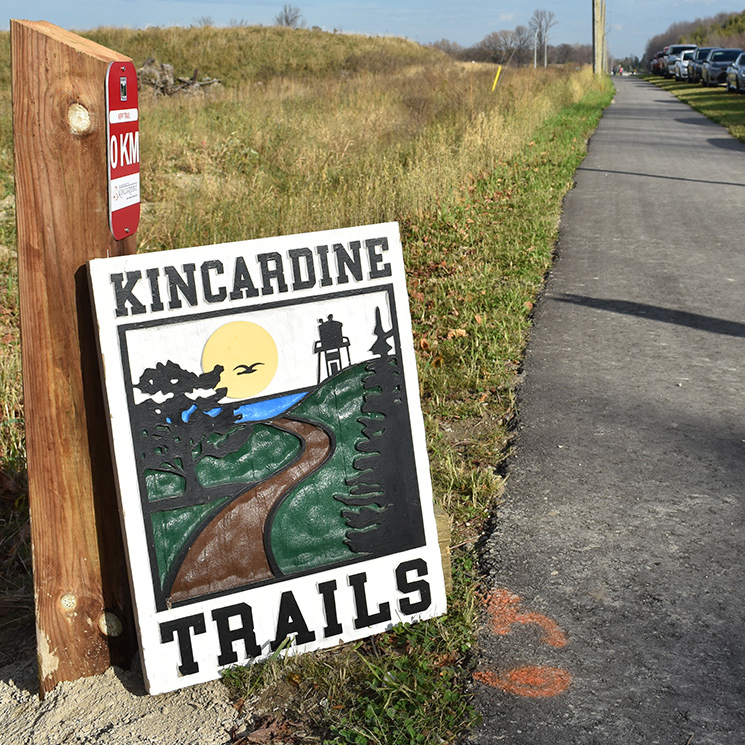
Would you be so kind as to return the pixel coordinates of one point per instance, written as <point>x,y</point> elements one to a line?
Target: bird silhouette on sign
<point>247,369</point>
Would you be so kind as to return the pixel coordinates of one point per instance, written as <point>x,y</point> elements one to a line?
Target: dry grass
<point>258,53</point>
<point>297,154</point>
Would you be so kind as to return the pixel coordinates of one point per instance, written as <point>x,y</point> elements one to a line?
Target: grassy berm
<point>310,131</point>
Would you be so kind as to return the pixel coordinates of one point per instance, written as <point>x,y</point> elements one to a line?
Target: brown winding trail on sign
<point>229,552</point>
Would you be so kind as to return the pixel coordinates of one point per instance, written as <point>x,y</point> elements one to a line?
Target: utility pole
<point>604,37</point>
<point>599,47</point>
<point>603,29</point>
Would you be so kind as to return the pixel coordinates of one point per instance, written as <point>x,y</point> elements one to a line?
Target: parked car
<point>673,55</point>
<point>694,67</point>
<point>714,68</point>
<point>736,75</point>
<point>656,63</point>
<point>663,62</point>
<point>682,64</point>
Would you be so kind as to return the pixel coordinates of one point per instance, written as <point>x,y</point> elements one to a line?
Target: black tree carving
<point>385,495</point>
<point>175,435</point>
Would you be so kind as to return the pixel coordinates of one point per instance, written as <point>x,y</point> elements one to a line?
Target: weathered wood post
<point>83,608</point>
<point>597,36</point>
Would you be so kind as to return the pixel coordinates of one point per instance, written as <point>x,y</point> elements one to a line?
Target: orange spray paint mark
<point>504,610</point>
<point>533,681</point>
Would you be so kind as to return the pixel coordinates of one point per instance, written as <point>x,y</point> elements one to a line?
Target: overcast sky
<point>630,22</point>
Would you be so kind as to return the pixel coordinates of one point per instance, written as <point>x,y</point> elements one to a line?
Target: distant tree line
<point>516,48</point>
<point>521,46</point>
<point>629,64</point>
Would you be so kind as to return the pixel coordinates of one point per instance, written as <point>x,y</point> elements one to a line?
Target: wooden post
<point>604,38</point>
<point>83,609</point>
<point>443,538</point>
<point>597,38</point>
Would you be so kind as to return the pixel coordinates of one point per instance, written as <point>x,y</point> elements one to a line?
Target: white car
<point>674,53</point>
<point>681,65</point>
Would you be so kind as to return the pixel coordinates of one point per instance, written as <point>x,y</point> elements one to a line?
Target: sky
<point>630,23</point>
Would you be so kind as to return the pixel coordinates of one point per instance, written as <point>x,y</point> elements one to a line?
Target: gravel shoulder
<point>110,709</point>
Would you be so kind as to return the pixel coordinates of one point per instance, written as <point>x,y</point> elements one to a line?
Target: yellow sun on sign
<point>247,354</point>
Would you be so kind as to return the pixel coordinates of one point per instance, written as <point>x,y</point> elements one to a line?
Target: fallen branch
<point>161,78</point>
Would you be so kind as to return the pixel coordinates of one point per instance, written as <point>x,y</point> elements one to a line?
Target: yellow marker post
<point>496,79</point>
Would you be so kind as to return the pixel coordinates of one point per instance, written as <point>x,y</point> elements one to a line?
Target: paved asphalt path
<point>623,520</point>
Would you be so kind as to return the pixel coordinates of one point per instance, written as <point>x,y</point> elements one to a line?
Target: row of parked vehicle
<point>706,65</point>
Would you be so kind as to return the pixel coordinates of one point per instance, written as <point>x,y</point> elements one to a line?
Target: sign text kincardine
<point>212,282</point>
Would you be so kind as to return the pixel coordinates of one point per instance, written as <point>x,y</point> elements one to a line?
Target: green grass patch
<point>722,107</point>
<point>398,688</point>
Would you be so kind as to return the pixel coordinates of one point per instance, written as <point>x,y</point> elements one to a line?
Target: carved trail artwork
<point>230,551</point>
<point>253,491</point>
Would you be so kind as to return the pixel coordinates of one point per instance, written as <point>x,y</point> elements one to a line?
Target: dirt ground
<point>111,709</point>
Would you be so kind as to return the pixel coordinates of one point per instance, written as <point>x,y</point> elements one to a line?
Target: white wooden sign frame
<point>269,447</point>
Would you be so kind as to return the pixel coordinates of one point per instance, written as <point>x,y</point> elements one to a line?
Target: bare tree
<point>540,24</point>
<point>562,53</point>
<point>507,47</point>
<point>289,16</point>
<point>499,45</point>
<point>522,40</point>
<point>451,48</point>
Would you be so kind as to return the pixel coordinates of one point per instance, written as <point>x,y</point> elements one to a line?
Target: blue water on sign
<point>268,409</point>
<point>186,414</point>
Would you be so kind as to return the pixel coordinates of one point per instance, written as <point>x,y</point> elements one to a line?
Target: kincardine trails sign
<point>269,447</point>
